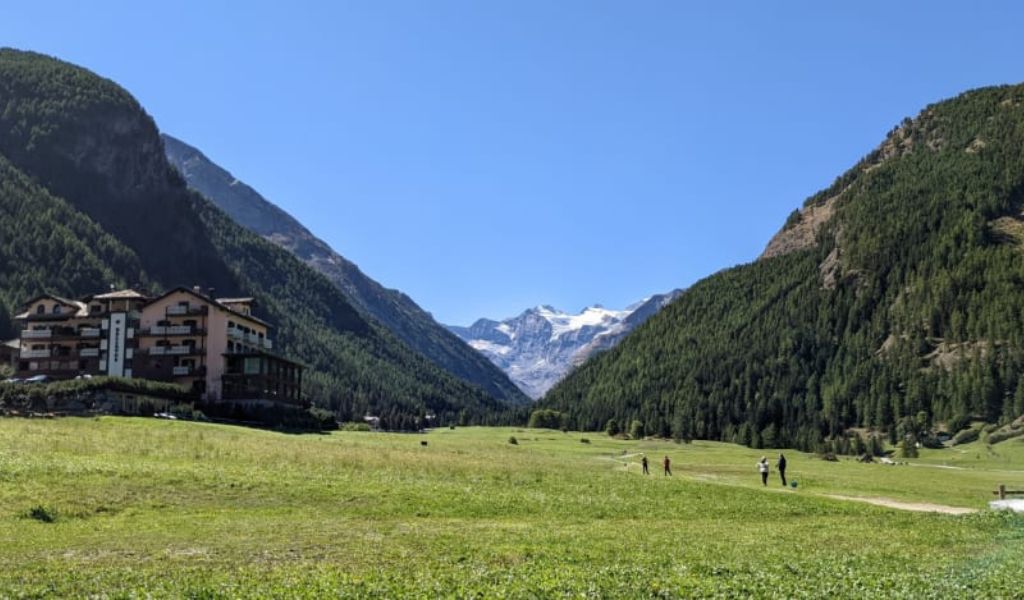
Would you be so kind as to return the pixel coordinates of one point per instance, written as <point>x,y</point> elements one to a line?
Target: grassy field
<point>147,507</point>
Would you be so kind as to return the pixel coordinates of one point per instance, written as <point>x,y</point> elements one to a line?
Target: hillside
<point>391,308</point>
<point>541,345</point>
<point>891,297</point>
<point>90,199</point>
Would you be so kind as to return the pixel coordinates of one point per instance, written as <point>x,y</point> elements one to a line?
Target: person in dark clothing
<point>668,465</point>
<point>643,461</point>
<point>782,468</point>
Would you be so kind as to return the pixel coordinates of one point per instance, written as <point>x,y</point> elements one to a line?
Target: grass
<point>127,507</point>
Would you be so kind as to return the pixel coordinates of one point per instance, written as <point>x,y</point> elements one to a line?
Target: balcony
<point>235,333</point>
<point>89,332</point>
<point>188,371</point>
<point>89,352</point>
<point>35,353</point>
<point>173,350</point>
<point>267,344</point>
<point>180,310</point>
<point>35,334</point>
<point>166,330</point>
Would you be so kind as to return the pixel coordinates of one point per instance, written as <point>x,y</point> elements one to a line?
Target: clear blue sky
<point>485,157</point>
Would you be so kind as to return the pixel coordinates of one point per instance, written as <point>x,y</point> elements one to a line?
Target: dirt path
<point>914,506</point>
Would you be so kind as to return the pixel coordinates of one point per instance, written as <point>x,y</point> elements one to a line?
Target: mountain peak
<point>538,347</point>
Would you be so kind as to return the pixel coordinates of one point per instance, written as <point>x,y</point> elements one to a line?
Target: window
<point>96,308</point>
<point>56,309</point>
<point>251,366</point>
<point>41,309</point>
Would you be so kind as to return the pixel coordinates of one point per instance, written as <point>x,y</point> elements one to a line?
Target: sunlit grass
<point>174,508</point>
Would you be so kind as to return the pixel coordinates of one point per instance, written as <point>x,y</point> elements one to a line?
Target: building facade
<point>215,348</point>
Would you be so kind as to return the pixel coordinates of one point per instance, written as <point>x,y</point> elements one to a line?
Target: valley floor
<point>144,507</point>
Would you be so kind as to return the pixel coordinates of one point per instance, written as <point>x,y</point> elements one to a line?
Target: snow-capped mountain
<point>540,346</point>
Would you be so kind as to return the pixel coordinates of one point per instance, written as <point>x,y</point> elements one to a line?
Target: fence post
<point>1002,491</point>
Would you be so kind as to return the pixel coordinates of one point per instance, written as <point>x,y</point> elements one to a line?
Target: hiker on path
<point>782,468</point>
<point>762,467</point>
<point>668,465</point>
<point>643,461</point>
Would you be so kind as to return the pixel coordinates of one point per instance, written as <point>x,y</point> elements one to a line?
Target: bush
<point>1001,436</point>
<point>612,428</point>
<point>43,514</point>
<point>327,419</point>
<point>636,430</point>
<point>545,418</point>
<point>957,423</point>
<point>908,448</point>
<point>352,426</point>
<point>584,441</point>
<point>187,411</point>
<point>966,436</point>
<point>512,440</point>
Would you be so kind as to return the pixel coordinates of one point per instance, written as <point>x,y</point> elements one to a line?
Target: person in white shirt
<point>762,467</point>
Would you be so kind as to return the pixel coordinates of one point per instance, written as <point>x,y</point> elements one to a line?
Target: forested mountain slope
<point>898,291</point>
<point>88,198</point>
<point>391,308</point>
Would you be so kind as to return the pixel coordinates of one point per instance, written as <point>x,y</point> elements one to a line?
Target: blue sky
<point>485,157</point>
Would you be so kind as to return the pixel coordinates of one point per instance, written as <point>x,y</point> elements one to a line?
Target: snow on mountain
<point>540,346</point>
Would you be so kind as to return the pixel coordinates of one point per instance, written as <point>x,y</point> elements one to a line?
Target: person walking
<point>782,468</point>
<point>643,461</point>
<point>668,465</point>
<point>762,467</point>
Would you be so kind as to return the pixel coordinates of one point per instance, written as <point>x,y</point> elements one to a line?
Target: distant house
<point>215,348</point>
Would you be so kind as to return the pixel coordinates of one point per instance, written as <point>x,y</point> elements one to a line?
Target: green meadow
<point>139,507</point>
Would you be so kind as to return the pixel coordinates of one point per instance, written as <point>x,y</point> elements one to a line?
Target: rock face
<point>802,231</point>
<point>540,346</point>
<point>391,308</point>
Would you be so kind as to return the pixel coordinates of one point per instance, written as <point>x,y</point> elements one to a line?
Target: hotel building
<point>215,348</point>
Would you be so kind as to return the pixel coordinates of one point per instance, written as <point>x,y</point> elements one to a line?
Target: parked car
<point>37,379</point>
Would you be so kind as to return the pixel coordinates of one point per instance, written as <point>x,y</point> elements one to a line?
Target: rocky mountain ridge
<point>393,309</point>
<point>541,345</point>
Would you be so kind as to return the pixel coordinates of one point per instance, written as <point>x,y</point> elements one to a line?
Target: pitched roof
<point>120,295</point>
<point>81,309</point>
<point>235,300</point>
<point>209,300</point>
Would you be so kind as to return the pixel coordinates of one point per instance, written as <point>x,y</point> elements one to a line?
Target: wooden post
<point>1002,491</point>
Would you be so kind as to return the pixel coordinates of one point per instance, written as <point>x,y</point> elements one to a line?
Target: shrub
<point>966,436</point>
<point>1001,436</point>
<point>584,440</point>
<point>42,514</point>
<point>636,430</point>
<point>356,427</point>
<point>908,448</point>
<point>545,418</point>
<point>612,428</point>
<point>512,440</point>
<point>187,411</point>
<point>957,423</point>
<point>327,419</point>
